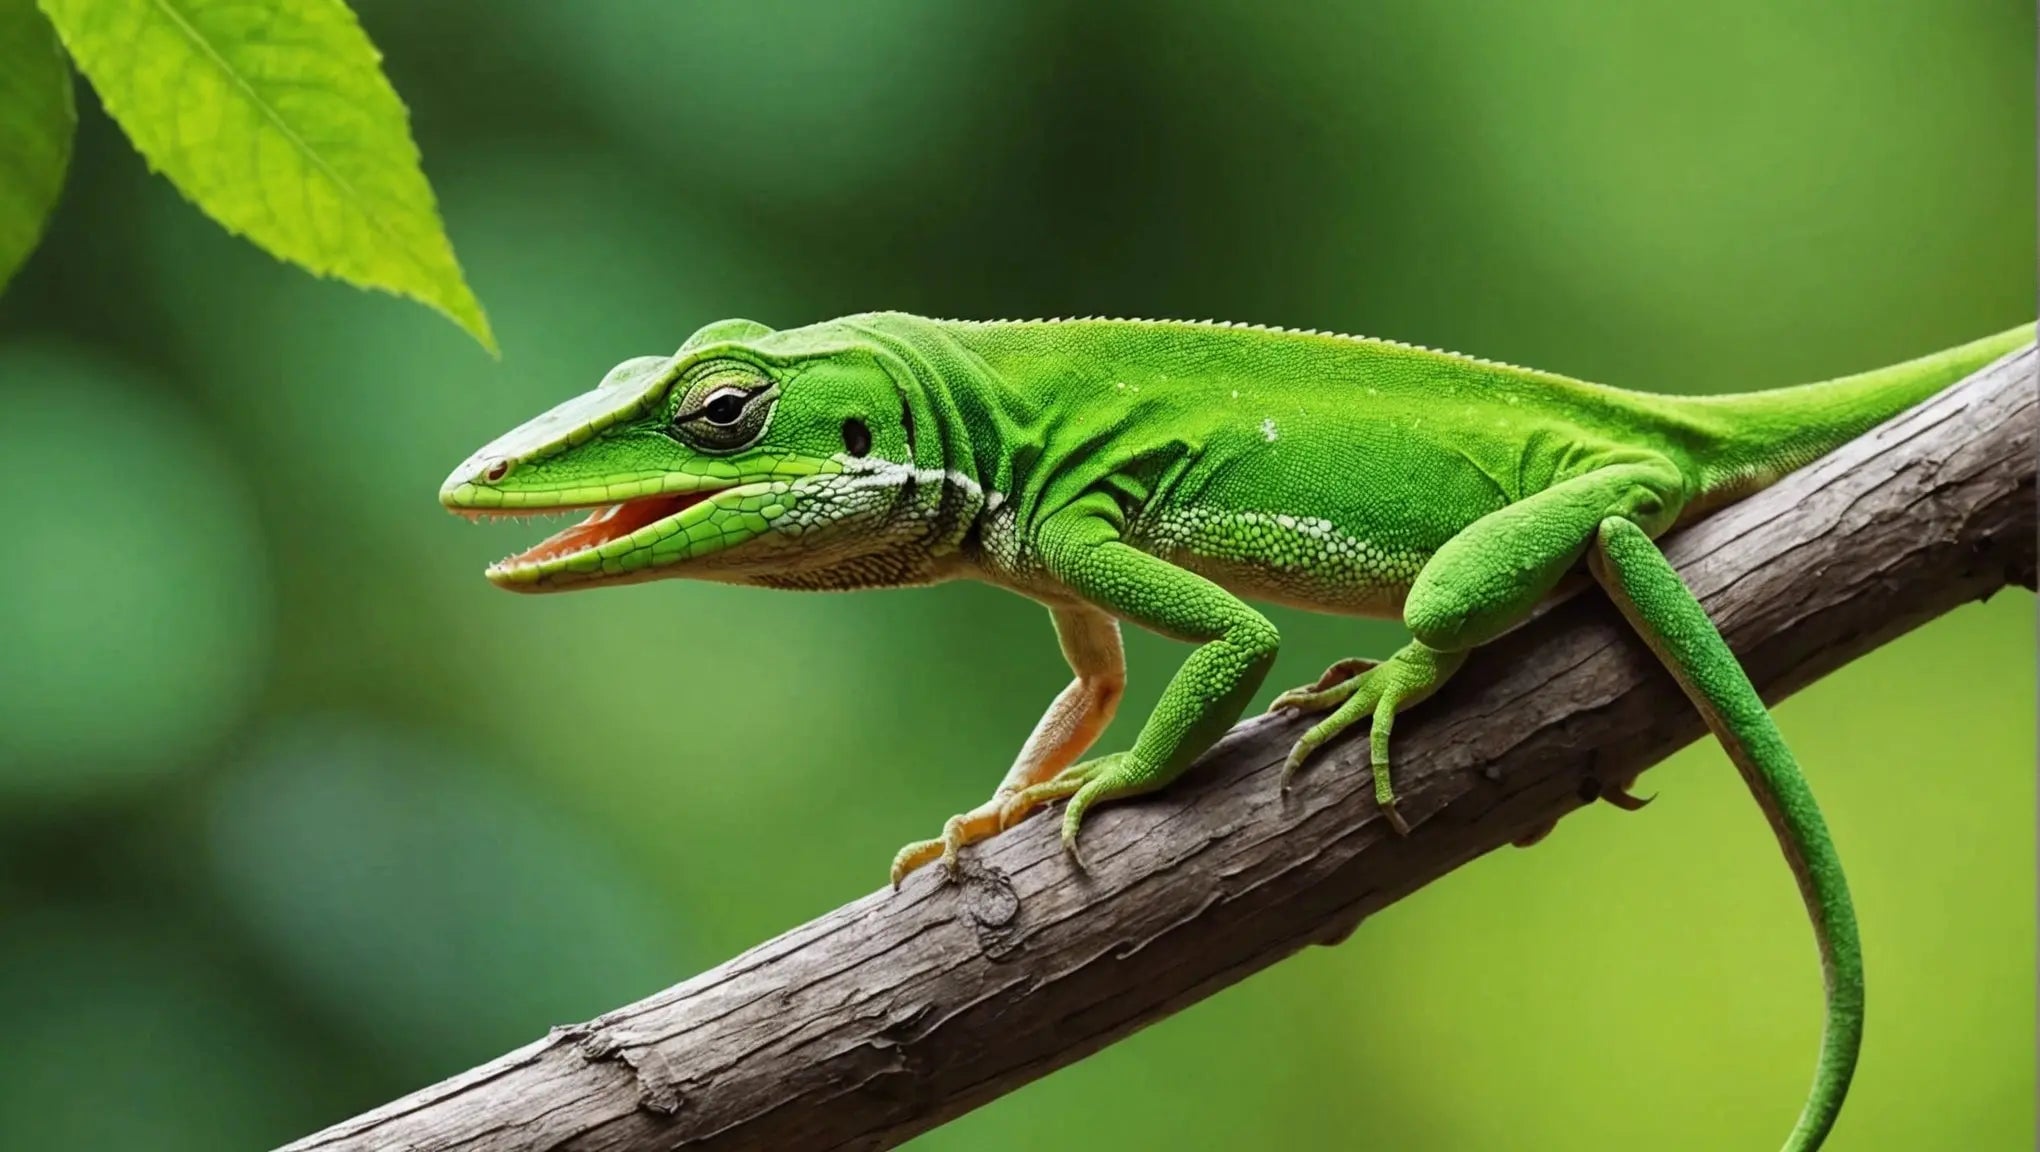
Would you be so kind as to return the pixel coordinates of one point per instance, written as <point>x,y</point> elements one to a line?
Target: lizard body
<point>1162,473</point>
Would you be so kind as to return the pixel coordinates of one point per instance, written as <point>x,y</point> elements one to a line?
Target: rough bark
<point>895,1013</point>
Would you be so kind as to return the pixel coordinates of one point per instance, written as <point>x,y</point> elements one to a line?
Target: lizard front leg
<point>1090,643</point>
<point>1082,549</point>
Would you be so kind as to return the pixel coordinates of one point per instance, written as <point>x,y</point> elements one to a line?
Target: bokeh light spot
<point>136,610</point>
<point>426,900</point>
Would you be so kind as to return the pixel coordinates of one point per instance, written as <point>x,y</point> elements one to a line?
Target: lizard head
<point>749,456</point>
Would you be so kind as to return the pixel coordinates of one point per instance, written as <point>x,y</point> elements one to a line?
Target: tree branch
<point>895,1013</point>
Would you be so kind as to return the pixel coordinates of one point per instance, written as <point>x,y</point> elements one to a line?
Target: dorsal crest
<point>1275,329</point>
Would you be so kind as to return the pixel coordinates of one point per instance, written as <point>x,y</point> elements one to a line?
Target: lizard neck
<point>956,423</point>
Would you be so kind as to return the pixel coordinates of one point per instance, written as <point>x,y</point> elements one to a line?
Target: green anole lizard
<point>1158,472</point>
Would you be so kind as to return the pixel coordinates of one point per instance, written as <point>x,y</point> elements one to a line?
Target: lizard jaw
<point>605,524</point>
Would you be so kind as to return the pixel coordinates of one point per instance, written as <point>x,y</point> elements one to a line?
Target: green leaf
<point>276,120</point>
<point>37,120</point>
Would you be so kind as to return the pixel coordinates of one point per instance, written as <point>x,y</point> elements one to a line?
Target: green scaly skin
<point>1161,473</point>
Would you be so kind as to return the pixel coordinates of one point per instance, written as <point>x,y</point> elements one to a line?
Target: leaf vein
<point>297,142</point>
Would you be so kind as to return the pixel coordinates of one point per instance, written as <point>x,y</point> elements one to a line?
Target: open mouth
<point>605,524</point>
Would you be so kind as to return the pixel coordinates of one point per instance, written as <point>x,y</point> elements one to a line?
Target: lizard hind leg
<point>1480,583</point>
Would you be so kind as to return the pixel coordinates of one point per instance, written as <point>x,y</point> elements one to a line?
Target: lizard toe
<point>912,857</point>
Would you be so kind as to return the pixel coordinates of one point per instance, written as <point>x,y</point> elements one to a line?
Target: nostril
<point>496,471</point>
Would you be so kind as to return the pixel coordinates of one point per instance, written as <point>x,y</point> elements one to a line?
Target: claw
<point>1297,755</point>
<point>1395,818</point>
<point>1073,819</point>
<point>1302,751</point>
<point>1621,797</point>
<point>1069,842</point>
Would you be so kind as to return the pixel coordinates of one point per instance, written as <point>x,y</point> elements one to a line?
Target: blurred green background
<point>298,814</point>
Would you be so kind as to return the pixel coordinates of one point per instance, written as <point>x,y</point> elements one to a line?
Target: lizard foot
<point>958,832</point>
<point>1086,784</point>
<point>1362,689</point>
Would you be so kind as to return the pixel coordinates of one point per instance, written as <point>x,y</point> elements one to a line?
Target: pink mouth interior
<point>609,522</point>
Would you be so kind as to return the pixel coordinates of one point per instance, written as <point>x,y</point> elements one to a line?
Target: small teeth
<point>553,515</point>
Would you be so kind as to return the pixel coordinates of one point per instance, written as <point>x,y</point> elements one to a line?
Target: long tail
<point>1751,439</point>
<point>1648,590</point>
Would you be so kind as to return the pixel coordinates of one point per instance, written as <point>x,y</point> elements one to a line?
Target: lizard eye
<point>725,408</point>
